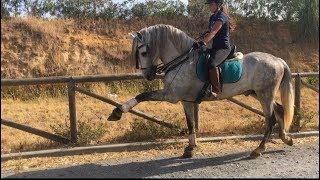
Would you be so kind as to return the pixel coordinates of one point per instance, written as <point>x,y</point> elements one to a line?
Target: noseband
<point>137,55</point>
<point>162,67</point>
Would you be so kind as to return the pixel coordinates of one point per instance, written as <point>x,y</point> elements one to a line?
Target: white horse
<point>262,75</point>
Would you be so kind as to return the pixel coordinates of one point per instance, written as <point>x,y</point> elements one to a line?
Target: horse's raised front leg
<point>145,96</point>
<point>191,111</point>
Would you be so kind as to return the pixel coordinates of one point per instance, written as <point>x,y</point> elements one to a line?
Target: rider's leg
<point>217,58</point>
<point>214,80</point>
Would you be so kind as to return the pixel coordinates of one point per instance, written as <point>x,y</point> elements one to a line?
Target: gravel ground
<point>298,161</point>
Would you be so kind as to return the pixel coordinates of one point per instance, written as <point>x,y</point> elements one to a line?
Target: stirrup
<point>210,93</point>
<point>214,95</point>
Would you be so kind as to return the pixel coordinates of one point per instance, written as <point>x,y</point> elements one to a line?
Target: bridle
<point>164,67</point>
<point>161,67</point>
<point>137,56</point>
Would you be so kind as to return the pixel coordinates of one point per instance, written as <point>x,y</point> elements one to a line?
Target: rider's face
<point>213,7</point>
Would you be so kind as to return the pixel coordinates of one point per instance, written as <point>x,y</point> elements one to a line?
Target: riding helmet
<point>216,1</point>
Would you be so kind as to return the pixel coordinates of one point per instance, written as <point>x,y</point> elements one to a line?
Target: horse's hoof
<point>188,154</point>
<point>255,155</point>
<point>290,142</point>
<point>287,140</point>
<point>115,115</point>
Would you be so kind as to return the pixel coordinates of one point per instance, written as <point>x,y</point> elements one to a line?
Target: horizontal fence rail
<point>72,88</point>
<point>98,78</point>
<point>76,79</point>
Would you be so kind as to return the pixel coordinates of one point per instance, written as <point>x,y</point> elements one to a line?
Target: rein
<point>174,63</point>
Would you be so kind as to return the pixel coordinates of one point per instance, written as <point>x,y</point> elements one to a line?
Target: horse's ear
<point>139,36</point>
<point>131,36</point>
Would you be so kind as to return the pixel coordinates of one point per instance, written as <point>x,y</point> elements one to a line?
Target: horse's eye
<point>144,54</point>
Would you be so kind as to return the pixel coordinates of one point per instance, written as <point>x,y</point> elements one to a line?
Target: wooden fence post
<point>72,110</point>
<point>297,89</point>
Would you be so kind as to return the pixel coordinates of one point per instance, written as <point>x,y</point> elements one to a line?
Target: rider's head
<point>214,5</point>
<point>215,1</point>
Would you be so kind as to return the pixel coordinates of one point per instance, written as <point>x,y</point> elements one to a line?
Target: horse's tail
<point>287,97</point>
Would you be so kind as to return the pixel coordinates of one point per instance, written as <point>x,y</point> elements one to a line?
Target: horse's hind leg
<point>196,116</point>
<point>267,106</point>
<point>279,112</point>
<point>190,110</point>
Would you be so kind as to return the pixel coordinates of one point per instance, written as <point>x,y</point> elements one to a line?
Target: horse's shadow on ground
<point>138,169</point>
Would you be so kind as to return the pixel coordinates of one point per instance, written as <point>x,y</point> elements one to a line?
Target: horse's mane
<point>158,36</point>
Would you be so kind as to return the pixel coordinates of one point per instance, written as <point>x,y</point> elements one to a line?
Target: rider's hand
<point>197,45</point>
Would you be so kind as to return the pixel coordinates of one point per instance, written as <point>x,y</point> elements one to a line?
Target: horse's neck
<point>174,48</point>
<point>169,53</point>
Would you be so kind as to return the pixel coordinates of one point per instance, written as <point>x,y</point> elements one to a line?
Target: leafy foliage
<point>313,80</point>
<point>88,130</point>
<point>302,118</point>
<point>305,13</point>
<point>308,17</point>
<point>142,130</point>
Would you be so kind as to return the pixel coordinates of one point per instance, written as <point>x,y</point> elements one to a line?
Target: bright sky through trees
<point>120,1</point>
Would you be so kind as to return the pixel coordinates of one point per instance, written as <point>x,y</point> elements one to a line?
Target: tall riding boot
<point>214,80</point>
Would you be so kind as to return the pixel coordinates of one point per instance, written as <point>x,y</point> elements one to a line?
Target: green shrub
<point>142,130</point>
<point>313,80</point>
<point>88,130</point>
<point>305,118</point>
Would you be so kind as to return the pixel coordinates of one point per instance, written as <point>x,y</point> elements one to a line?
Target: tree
<point>38,8</point>
<point>4,11</point>
<point>109,10</point>
<point>13,6</point>
<point>196,8</point>
<point>140,10</point>
<point>308,18</point>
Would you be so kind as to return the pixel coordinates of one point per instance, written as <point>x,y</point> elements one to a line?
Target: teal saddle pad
<point>231,70</point>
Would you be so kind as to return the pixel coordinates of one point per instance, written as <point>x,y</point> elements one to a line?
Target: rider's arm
<point>216,27</point>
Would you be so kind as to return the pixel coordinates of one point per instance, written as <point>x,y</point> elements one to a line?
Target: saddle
<point>230,69</point>
<point>224,68</point>
<point>232,53</point>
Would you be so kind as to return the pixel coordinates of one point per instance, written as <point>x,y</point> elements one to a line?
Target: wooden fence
<point>72,88</point>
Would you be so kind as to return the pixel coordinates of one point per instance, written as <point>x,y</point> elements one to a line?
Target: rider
<point>219,28</point>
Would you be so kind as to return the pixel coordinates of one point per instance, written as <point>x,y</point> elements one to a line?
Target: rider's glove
<point>197,45</point>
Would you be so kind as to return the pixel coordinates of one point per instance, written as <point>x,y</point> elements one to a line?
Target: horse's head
<point>144,58</point>
<point>158,44</point>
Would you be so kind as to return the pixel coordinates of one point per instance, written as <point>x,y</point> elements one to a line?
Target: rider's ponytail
<point>232,22</point>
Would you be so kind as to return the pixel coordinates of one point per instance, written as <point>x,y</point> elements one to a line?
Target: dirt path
<point>279,161</point>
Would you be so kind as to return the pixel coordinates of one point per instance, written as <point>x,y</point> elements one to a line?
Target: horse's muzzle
<point>150,73</point>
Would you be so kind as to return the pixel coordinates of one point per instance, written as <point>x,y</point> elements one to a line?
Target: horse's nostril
<point>150,78</point>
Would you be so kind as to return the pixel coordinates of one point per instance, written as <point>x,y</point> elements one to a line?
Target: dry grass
<point>216,118</point>
<point>36,48</point>
<point>301,56</point>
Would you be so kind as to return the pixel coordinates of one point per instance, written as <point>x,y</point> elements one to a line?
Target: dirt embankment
<point>36,48</point>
